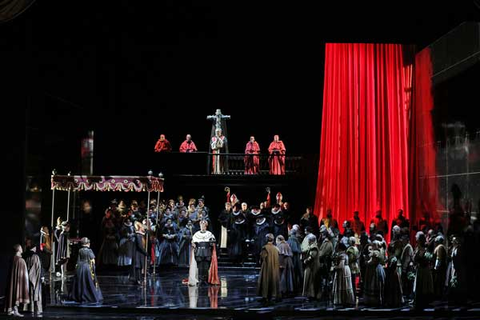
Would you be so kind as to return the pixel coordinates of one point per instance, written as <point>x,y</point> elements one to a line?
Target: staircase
<point>225,262</point>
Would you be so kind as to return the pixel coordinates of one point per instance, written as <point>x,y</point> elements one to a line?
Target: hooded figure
<point>18,284</point>
<point>287,272</point>
<point>269,279</point>
<point>34,266</point>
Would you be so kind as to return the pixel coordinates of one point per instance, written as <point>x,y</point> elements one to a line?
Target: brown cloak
<point>17,290</point>
<point>35,277</point>
<point>269,280</point>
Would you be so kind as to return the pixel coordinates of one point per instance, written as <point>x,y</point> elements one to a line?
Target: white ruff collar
<point>262,221</point>
<point>256,212</point>
<point>240,222</point>
<point>275,211</point>
<point>200,236</point>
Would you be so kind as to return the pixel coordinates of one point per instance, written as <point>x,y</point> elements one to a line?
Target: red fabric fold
<point>213,271</point>
<point>364,138</point>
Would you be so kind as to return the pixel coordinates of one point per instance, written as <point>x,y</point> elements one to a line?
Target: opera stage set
<point>367,121</point>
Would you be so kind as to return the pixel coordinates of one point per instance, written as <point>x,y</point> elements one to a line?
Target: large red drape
<point>365,128</point>
<point>422,166</point>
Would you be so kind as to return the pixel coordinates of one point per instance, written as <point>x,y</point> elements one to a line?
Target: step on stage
<point>164,294</point>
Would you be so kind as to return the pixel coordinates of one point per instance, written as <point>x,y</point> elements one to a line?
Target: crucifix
<point>218,117</point>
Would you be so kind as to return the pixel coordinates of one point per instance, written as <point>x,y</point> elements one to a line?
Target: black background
<point>130,70</point>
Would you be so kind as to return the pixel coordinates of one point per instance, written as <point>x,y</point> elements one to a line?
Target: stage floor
<point>234,298</point>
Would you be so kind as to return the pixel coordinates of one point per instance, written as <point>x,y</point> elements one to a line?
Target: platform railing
<point>201,163</point>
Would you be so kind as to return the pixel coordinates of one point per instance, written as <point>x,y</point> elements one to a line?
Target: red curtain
<point>422,167</point>
<point>365,127</point>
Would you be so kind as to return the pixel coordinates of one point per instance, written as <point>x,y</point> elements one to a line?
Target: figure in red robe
<point>277,156</point>
<point>188,145</point>
<point>252,160</point>
<point>163,145</point>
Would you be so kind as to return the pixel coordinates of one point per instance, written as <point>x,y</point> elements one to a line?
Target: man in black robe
<point>139,254</point>
<point>260,230</point>
<point>224,219</point>
<point>279,222</point>
<point>63,249</point>
<point>237,237</point>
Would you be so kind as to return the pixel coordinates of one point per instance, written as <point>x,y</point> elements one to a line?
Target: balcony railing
<point>200,163</point>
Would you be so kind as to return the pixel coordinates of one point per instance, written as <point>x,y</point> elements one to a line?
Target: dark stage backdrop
<point>365,126</point>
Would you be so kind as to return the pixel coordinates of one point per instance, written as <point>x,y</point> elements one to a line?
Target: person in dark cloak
<point>169,246</point>
<point>287,272</point>
<point>184,243</point>
<point>260,231</point>
<point>34,266</point>
<point>138,263</point>
<point>85,287</point>
<point>45,249</point>
<point>251,217</point>
<point>18,284</point>
<point>295,245</point>
<point>225,220</point>
<point>269,280</point>
<point>237,236</point>
<point>279,222</point>
<point>127,243</point>
<point>63,248</point>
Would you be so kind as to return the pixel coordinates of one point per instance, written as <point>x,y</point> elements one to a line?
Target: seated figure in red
<point>188,145</point>
<point>163,145</point>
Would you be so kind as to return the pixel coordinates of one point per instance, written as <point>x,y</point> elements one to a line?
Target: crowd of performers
<point>320,260</point>
<point>341,264</point>
<point>298,256</point>
<point>218,146</point>
<point>169,229</point>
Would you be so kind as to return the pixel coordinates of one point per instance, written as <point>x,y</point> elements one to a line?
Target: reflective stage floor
<point>165,295</point>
